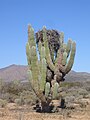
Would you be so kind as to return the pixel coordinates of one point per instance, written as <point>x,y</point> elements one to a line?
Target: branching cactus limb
<point>58,65</point>
<point>55,90</point>
<point>36,71</point>
<point>71,59</point>
<point>64,59</point>
<point>48,56</point>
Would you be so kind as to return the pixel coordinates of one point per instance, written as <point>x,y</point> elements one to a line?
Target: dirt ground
<point>14,112</point>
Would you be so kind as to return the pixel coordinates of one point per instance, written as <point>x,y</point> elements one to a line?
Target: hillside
<point>14,72</point>
<point>19,72</point>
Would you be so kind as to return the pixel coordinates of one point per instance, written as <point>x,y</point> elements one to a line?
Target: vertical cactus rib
<point>43,54</point>
<point>32,57</point>
<point>61,38</point>
<point>47,89</point>
<point>64,59</point>
<point>71,59</point>
<point>31,40</point>
<point>48,56</point>
<point>43,74</point>
<point>28,53</point>
<point>30,77</point>
<point>55,90</point>
<point>64,46</point>
<point>58,62</point>
<point>68,47</point>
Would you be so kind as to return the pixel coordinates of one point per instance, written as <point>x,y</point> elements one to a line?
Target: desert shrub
<point>70,99</point>
<point>70,84</point>
<point>83,92</point>
<point>82,103</point>
<point>3,103</point>
<point>70,106</point>
<point>18,92</point>
<point>13,88</point>
<point>2,84</point>
<point>9,97</point>
<point>88,88</point>
<point>26,97</point>
<point>19,101</point>
<point>87,96</point>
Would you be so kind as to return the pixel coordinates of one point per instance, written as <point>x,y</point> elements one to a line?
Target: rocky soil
<point>15,112</point>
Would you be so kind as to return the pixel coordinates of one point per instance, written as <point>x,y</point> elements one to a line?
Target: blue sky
<point>70,16</point>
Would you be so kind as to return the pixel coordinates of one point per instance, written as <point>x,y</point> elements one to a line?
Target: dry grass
<point>15,112</point>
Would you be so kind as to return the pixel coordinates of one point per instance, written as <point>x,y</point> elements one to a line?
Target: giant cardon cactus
<point>59,62</point>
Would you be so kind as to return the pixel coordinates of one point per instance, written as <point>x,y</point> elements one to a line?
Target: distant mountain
<point>77,76</point>
<point>14,72</point>
<point>19,72</point>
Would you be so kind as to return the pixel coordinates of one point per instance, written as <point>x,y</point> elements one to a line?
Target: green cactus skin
<point>64,46</point>
<point>43,67</point>
<point>48,56</point>
<point>43,54</point>
<point>63,54</point>
<point>71,59</point>
<point>68,47</point>
<point>31,36</point>
<point>47,89</point>
<point>55,90</point>
<point>64,59</point>
<point>61,39</point>
<point>28,54</point>
<point>30,77</point>
<point>43,74</point>
<point>38,68</point>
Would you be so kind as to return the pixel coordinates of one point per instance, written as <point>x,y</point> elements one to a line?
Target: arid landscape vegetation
<point>44,60</point>
<point>17,100</point>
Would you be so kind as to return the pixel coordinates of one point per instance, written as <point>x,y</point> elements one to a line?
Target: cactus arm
<point>28,53</point>
<point>64,59</point>
<point>52,53</point>
<point>32,58</point>
<point>42,67</point>
<point>30,77</point>
<point>37,69</point>
<point>31,40</point>
<point>34,67</point>
<point>48,56</point>
<point>38,93</point>
<point>71,59</point>
<point>49,60</point>
<point>47,89</point>
<point>58,62</point>
<point>55,90</point>
<point>64,46</point>
<point>39,48</point>
<point>43,74</point>
<point>68,47</point>
<point>61,38</point>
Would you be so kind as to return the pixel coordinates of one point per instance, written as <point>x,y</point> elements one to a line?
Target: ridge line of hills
<point>19,72</point>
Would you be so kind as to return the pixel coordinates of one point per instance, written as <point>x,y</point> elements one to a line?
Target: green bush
<point>3,103</point>
<point>70,84</point>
